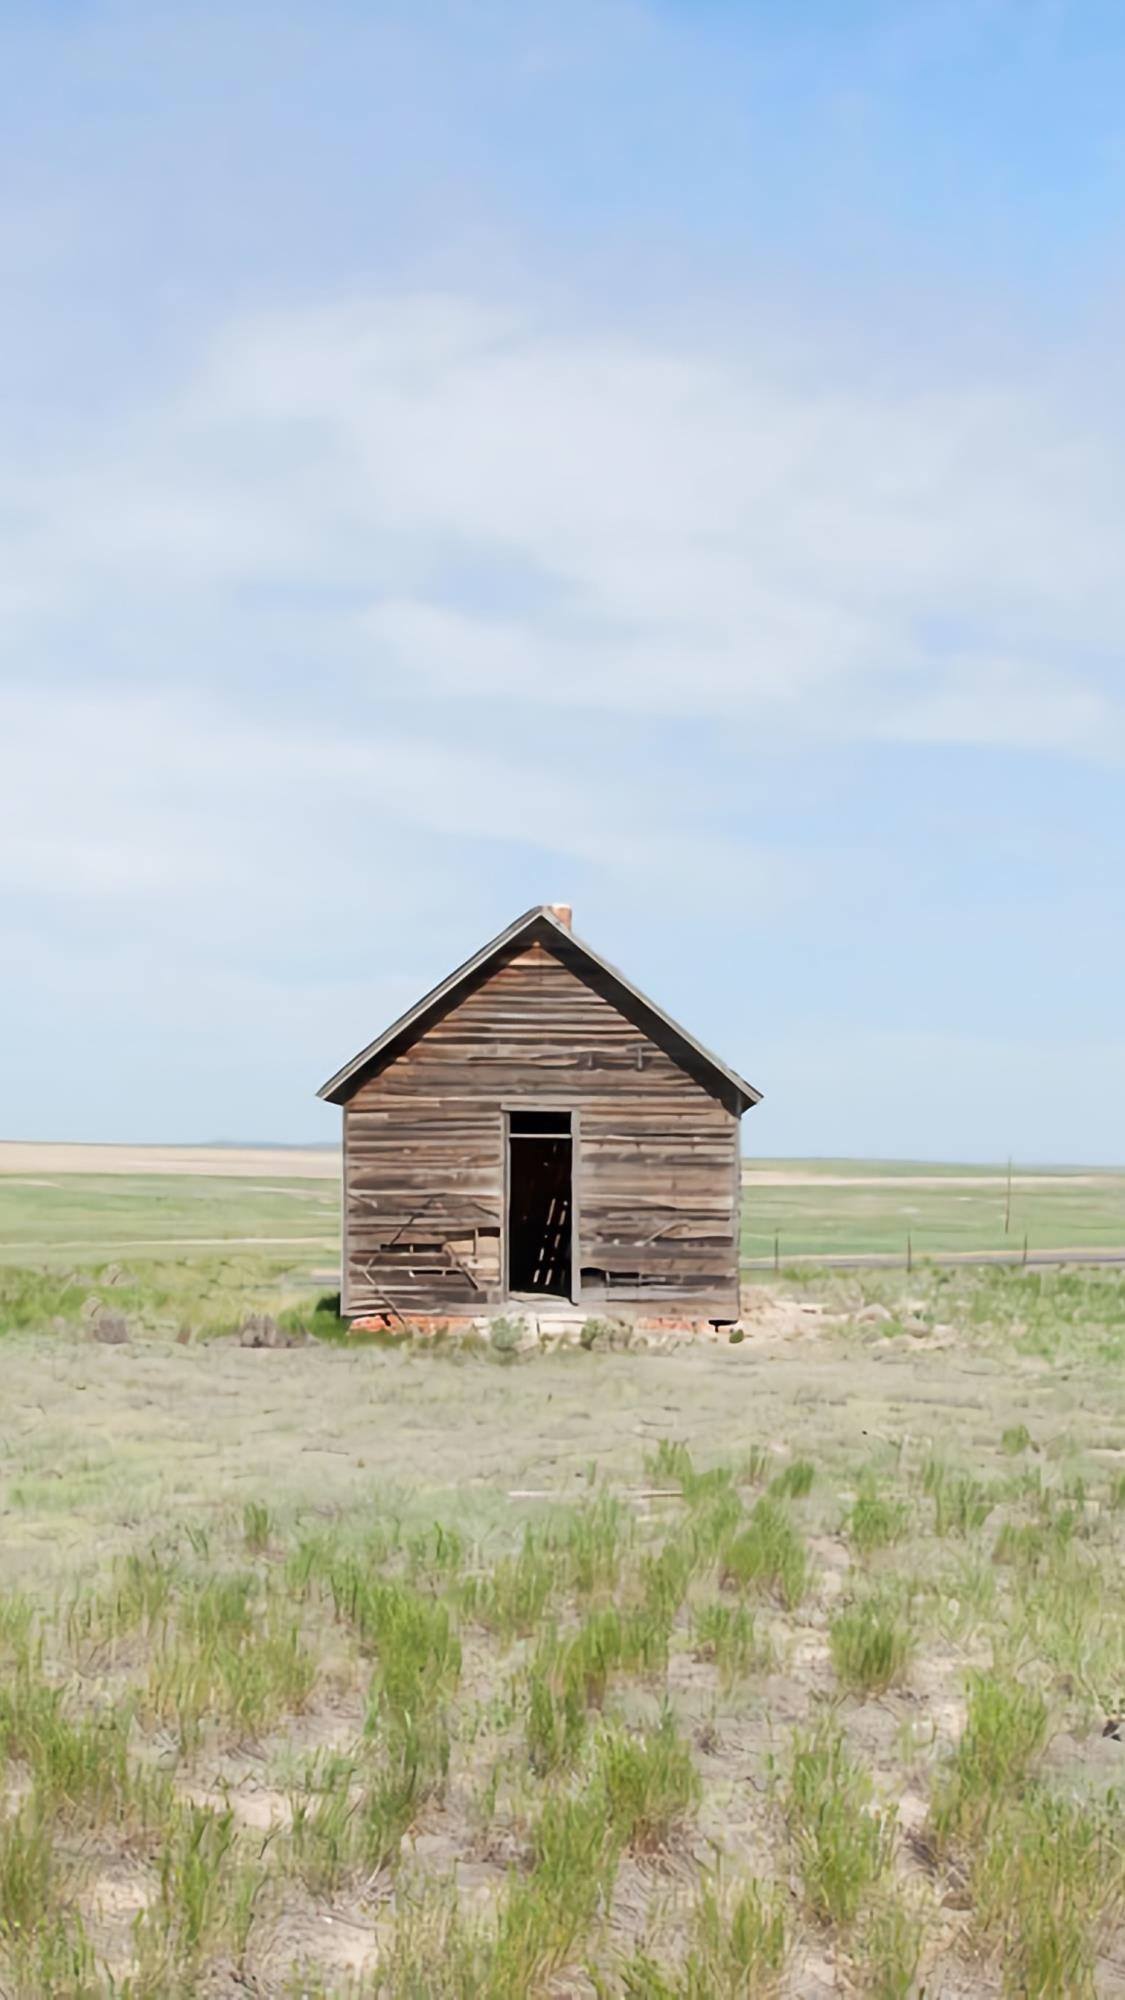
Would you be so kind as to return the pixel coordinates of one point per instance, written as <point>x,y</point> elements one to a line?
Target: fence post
<point>777,1249</point>
<point>1025,1246</point>
<point>909,1253</point>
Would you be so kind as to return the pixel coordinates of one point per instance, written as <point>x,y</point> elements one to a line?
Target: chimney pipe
<point>562,912</point>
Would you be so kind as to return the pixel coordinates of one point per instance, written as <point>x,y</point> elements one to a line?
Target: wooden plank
<point>655,1154</point>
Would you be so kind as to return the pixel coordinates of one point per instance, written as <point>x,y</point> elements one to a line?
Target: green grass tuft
<point>768,1555</point>
<point>871,1647</point>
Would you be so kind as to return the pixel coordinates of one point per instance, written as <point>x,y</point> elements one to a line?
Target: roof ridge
<point>335,1091</point>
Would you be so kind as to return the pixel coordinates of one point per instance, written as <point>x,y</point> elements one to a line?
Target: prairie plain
<point>793,1665</point>
<point>56,1201</point>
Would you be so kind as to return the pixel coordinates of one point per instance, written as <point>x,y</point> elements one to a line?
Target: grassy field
<point>785,1667</point>
<point>937,1214</point>
<point>814,1208</point>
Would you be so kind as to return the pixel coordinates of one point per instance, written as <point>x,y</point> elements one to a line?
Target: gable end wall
<point>656,1158</point>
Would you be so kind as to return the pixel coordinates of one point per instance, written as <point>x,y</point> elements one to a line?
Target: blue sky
<point>667,457</point>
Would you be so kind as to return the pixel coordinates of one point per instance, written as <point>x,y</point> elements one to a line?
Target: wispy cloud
<point>468,502</point>
<point>665,457</point>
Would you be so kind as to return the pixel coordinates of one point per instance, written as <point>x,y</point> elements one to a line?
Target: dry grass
<point>793,1679</point>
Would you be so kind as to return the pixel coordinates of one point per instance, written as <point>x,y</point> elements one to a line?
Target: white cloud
<point>451,497</point>
<point>195,803</point>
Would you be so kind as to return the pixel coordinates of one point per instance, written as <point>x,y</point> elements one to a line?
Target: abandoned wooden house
<point>535,1128</point>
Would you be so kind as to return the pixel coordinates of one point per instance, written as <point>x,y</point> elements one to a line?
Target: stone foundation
<point>520,1331</point>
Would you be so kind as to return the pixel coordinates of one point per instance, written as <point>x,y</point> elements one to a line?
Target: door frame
<point>525,1104</point>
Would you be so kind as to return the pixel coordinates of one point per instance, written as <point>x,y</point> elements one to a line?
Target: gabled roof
<point>542,925</point>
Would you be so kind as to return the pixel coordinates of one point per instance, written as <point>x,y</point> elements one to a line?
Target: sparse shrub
<point>665,1577</point>
<point>1022,1545</point>
<point>593,1543</point>
<point>610,1641</point>
<point>17,1622</point>
<point>321,1844</point>
<point>1047,1884</point>
<point>669,1462</point>
<point>1015,1439</point>
<point>871,1647</point>
<point>350,1818</point>
<point>794,1481</point>
<point>257,1526</point>
<point>961,1504</point>
<point>710,1526</point>
<point>597,1333</point>
<point>511,1598</point>
<point>966,1598</point>
<point>740,1944</point>
<point>418,1653</point>
<point>672,1462</point>
<point>768,1554</point>
<point>136,1596</point>
<point>57,1959</point>
<point>208,1889</point>
<point>649,1783</point>
<point>841,1842</point>
<point>231,1656</point>
<point>505,1337</point>
<point>545,1913</point>
<point>79,1768</point>
<point>726,1633</point>
<point>28,1874</point>
<point>875,1522</point>
<point>888,1949</point>
<point>1005,1729</point>
<point>556,1718</point>
<point>438,1553</point>
<point>739,1951</point>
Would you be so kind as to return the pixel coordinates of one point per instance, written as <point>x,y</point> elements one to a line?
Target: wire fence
<point>784,1253</point>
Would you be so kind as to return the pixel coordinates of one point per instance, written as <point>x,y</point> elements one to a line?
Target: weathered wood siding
<point>655,1164</point>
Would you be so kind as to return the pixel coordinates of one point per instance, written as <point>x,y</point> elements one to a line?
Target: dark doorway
<point>540,1202</point>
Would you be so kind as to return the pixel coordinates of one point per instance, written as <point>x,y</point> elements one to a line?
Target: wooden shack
<point>535,1128</point>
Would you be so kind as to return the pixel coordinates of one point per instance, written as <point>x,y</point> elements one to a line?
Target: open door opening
<point>540,1202</point>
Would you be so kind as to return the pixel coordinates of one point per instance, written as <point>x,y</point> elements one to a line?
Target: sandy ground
<point>103,1446</point>
<point>100,1441</point>
<point>31,1157</point>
